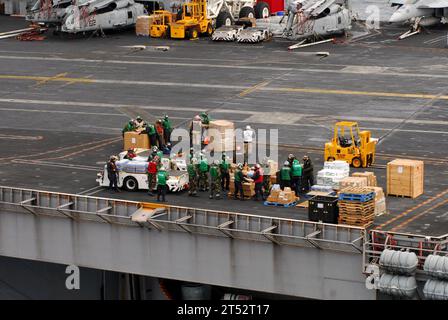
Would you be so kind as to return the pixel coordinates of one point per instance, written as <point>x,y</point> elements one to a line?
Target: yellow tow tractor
<point>351,145</point>
<point>192,21</point>
<point>160,22</point>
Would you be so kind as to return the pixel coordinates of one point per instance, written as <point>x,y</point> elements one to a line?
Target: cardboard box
<point>380,200</point>
<point>353,182</point>
<point>405,178</point>
<point>371,178</point>
<point>134,140</point>
<point>143,25</point>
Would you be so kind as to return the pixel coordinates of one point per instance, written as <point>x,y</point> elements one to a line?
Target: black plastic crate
<point>323,208</point>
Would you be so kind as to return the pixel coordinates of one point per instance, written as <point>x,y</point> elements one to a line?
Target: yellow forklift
<point>192,21</point>
<point>160,22</point>
<point>351,145</point>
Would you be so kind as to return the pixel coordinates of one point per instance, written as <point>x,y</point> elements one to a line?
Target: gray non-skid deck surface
<point>63,102</point>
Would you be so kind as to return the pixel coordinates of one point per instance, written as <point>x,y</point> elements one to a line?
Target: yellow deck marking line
<point>261,87</point>
<point>406,222</point>
<point>360,93</point>
<point>405,213</point>
<point>48,79</point>
<point>254,88</point>
<point>60,75</point>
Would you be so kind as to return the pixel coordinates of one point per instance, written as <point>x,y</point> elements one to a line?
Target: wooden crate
<point>405,178</point>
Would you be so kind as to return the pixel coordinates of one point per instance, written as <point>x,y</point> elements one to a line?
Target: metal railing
<point>231,225</point>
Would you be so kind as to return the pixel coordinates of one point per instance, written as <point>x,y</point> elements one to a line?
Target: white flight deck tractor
<point>253,35</point>
<point>132,174</point>
<point>226,33</point>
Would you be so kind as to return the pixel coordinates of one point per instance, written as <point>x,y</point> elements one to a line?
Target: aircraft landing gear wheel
<point>247,12</point>
<point>262,10</point>
<point>357,163</point>
<point>224,19</point>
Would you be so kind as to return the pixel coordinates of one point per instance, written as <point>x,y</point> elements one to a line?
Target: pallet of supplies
<point>356,206</point>
<point>143,25</point>
<point>274,194</point>
<point>281,198</point>
<point>353,182</point>
<point>405,178</point>
<point>380,200</point>
<point>332,173</point>
<point>134,140</point>
<point>371,178</point>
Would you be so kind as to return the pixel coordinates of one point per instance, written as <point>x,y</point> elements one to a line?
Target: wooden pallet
<point>346,216</point>
<point>276,204</point>
<point>400,196</point>
<point>355,204</point>
<point>343,196</point>
<point>356,208</point>
<point>356,190</point>
<point>304,204</point>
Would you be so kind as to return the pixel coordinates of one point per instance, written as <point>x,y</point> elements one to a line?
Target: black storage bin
<point>323,208</point>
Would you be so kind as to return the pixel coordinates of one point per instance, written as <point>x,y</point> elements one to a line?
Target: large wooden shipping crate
<point>405,178</point>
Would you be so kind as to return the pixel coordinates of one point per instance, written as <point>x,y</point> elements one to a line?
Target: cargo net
<point>304,24</point>
<point>422,246</point>
<point>45,9</point>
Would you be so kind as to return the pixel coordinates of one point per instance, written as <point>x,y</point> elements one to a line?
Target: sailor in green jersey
<point>285,176</point>
<point>205,119</point>
<point>296,176</point>
<point>162,178</point>
<point>238,180</point>
<point>203,168</point>
<point>192,177</point>
<point>224,166</point>
<point>130,126</point>
<point>150,130</point>
<point>215,180</point>
<point>167,129</point>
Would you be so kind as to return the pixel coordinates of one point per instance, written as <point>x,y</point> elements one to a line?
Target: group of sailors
<point>159,133</point>
<point>214,176</point>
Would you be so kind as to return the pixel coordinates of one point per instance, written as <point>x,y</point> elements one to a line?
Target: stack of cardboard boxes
<point>405,178</point>
<point>353,182</point>
<point>286,196</point>
<point>371,178</point>
<point>143,25</point>
<point>380,200</point>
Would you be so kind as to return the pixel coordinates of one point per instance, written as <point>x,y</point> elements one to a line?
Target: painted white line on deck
<point>224,66</point>
<point>253,115</point>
